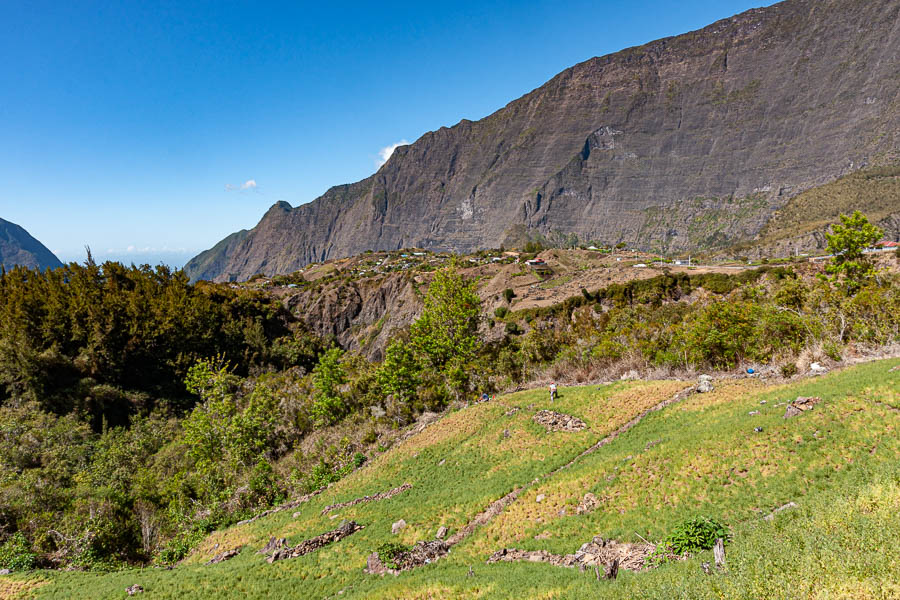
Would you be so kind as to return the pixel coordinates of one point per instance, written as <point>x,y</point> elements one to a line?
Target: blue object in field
<point>751,371</point>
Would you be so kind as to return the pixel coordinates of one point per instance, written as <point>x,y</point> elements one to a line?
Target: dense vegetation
<point>139,412</point>
<point>93,364</point>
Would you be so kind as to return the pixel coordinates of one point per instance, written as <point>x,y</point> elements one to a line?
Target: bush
<point>389,552</point>
<point>16,554</point>
<point>695,535</point>
<point>788,370</point>
<point>512,328</point>
<point>501,311</point>
<point>509,294</point>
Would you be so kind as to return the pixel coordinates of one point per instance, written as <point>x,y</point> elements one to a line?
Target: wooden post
<point>719,553</point>
<point>612,569</point>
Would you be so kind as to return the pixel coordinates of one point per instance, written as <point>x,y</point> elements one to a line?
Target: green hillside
<point>698,456</point>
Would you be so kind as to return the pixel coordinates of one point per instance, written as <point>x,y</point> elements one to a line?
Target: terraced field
<point>700,455</point>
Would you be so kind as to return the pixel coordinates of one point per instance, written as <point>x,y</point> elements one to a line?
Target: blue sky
<point>149,131</point>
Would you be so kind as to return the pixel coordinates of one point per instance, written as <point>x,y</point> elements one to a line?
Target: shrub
<point>501,311</point>
<point>16,554</point>
<point>389,552</point>
<point>788,370</point>
<point>512,328</point>
<point>509,294</point>
<point>695,535</point>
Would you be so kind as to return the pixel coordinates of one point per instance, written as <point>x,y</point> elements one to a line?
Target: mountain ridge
<point>684,143</point>
<point>20,248</point>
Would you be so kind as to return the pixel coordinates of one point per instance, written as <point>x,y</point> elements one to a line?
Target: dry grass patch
<point>14,588</point>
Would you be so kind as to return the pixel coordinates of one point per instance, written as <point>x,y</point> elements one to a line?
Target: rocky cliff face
<point>685,143</point>
<point>17,247</point>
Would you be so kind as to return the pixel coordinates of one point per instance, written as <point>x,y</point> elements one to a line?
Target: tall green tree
<point>444,339</point>
<point>847,242</point>
<point>328,376</point>
<point>447,329</point>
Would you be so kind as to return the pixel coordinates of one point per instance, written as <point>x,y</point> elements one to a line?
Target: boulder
<point>588,504</point>
<point>134,589</point>
<point>817,369</point>
<point>800,405</point>
<point>441,533</point>
<point>5,571</point>
<point>398,526</point>
<point>704,384</point>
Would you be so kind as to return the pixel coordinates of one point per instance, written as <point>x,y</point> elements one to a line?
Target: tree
<point>847,243</point>
<point>445,337</point>
<point>448,325</point>
<point>399,372</point>
<point>329,407</point>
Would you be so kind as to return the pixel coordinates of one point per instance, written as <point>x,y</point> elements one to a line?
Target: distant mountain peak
<point>19,248</point>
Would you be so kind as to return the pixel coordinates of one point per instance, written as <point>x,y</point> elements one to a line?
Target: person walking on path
<point>552,391</point>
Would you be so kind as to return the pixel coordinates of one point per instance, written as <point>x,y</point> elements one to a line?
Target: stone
<point>771,515</point>
<point>704,384</point>
<point>753,412</point>
<point>134,589</point>
<point>441,533</point>
<point>313,544</point>
<point>5,571</point>
<point>540,498</point>
<point>398,526</point>
<point>801,405</point>
<point>223,556</point>
<point>817,369</point>
<point>296,515</point>
<point>554,421</point>
<point>274,544</point>
<point>588,504</point>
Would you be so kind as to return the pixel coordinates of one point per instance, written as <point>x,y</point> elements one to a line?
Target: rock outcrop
<point>683,143</point>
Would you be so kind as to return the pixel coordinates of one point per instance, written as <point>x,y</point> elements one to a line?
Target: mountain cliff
<point>17,247</point>
<point>685,143</point>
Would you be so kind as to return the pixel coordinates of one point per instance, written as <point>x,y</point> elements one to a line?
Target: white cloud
<point>250,184</point>
<point>385,153</point>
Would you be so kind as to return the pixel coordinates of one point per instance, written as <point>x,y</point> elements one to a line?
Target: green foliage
<point>447,328</point>
<point>329,406</point>
<point>389,552</point>
<point>16,553</point>
<point>512,328</point>
<point>398,374</point>
<point>110,341</point>
<point>846,242</point>
<point>788,369</point>
<point>224,434</point>
<point>501,311</point>
<point>508,294</point>
<point>695,535</point>
<point>534,247</point>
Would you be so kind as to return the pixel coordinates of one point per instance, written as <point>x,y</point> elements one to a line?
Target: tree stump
<point>612,569</point>
<point>719,553</point>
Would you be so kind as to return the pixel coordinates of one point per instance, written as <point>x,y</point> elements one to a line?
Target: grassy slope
<point>874,191</point>
<point>700,456</point>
